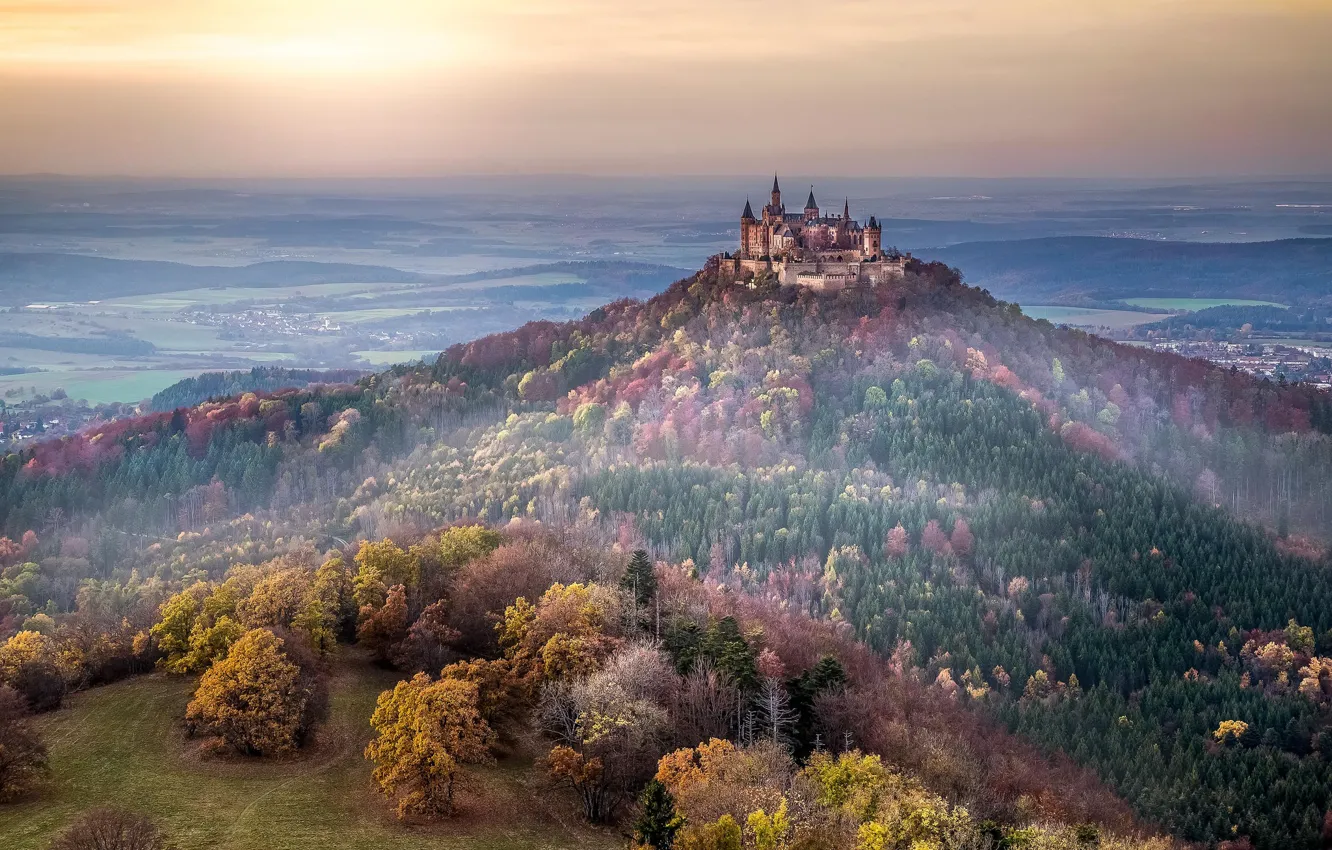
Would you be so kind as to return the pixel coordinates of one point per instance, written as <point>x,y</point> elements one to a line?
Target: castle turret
<point>748,227</point>
<point>872,239</point>
<point>811,206</point>
<point>774,211</point>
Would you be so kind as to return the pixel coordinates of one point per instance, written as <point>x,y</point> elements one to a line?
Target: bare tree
<point>775,717</point>
<point>112,829</point>
<point>610,728</point>
<point>705,706</point>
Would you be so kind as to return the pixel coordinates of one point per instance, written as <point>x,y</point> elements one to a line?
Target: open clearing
<point>122,745</point>
<point>1188,305</point>
<point>1091,317</point>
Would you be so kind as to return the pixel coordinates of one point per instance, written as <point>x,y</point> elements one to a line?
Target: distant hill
<point>1230,318</point>
<point>28,278</point>
<point>1089,270</point>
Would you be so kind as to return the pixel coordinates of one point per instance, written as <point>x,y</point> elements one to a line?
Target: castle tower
<point>872,240</point>
<point>748,228</point>
<point>811,206</point>
<point>774,211</point>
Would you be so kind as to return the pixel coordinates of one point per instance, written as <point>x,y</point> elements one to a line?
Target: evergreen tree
<point>640,579</point>
<point>658,822</point>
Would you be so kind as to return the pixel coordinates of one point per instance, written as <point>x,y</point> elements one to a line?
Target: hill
<point>1037,526</point>
<point>26,278</point>
<point>1094,271</point>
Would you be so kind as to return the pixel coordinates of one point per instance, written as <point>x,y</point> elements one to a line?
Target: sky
<point>408,88</point>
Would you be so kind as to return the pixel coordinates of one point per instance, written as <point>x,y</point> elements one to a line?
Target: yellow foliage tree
<point>252,700</point>
<point>769,832</point>
<point>425,731</point>
<point>1230,729</point>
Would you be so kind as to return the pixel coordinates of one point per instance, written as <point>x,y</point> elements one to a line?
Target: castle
<point>810,249</point>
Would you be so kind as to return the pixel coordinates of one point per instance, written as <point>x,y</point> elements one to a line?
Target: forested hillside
<point>1114,553</point>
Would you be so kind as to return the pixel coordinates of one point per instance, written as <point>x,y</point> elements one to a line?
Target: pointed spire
<point>846,209</point>
<point>775,188</point>
<point>748,214</point>
<point>811,204</point>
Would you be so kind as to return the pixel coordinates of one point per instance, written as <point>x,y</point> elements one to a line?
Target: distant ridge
<point>1094,270</point>
<point>26,278</point>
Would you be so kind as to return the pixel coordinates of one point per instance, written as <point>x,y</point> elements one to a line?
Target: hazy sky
<point>850,87</point>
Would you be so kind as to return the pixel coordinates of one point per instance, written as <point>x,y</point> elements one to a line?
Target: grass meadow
<point>123,745</point>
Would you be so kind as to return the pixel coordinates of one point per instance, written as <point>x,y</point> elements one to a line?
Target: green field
<point>100,386</point>
<point>1191,304</point>
<point>1090,316</point>
<point>122,745</point>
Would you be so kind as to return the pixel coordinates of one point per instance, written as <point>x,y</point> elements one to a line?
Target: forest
<point>1106,563</point>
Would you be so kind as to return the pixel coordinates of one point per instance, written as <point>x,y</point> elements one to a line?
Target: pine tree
<point>640,579</point>
<point>658,822</point>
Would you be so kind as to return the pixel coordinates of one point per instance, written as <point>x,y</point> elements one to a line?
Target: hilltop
<point>1039,527</point>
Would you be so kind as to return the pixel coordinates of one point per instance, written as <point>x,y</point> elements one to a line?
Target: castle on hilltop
<point>808,248</point>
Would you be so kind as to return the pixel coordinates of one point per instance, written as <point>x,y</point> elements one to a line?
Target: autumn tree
<point>895,544</point>
<point>111,829</point>
<point>22,755</point>
<point>381,565</point>
<point>384,627</point>
<point>253,699</point>
<point>425,731</point>
<point>276,600</point>
<point>609,727</point>
<point>962,540</point>
<point>31,663</point>
<point>428,642</point>
<point>933,539</point>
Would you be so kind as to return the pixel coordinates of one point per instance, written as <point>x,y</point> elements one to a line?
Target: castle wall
<point>823,276</point>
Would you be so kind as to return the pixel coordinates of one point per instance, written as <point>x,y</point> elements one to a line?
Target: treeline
<point>215,385</point>
<point>1257,319</point>
<point>112,344</point>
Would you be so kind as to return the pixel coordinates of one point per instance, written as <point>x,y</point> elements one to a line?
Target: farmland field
<point>122,745</point>
<point>1090,317</point>
<point>1191,304</point>
<point>99,386</point>
<point>320,325</point>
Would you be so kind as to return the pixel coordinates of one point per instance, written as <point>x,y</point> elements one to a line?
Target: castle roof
<point>811,204</point>
<point>748,213</point>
